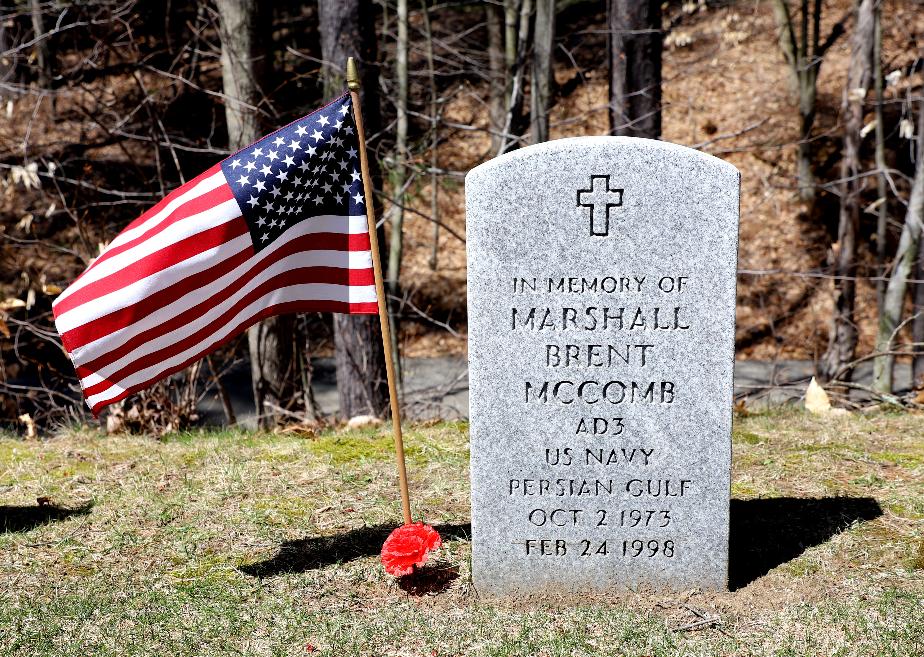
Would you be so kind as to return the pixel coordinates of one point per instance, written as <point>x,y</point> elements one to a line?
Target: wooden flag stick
<point>352,79</point>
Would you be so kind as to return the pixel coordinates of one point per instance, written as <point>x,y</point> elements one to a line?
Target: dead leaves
<point>6,305</point>
<point>26,176</point>
<point>363,421</point>
<point>27,420</point>
<point>817,401</point>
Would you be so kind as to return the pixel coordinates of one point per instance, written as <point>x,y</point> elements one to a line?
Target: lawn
<point>238,543</point>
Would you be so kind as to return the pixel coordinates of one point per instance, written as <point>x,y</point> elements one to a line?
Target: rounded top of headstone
<point>599,145</point>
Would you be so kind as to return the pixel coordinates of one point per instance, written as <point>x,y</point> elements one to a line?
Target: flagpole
<point>353,83</point>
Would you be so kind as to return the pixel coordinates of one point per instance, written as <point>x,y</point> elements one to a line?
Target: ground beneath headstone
<point>226,543</point>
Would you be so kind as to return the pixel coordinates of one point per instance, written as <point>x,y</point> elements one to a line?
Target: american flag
<point>278,227</point>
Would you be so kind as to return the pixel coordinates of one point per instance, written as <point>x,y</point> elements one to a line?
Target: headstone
<point>601,306</point>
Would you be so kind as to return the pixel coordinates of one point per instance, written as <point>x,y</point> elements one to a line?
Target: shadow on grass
<point>432,579</point>
<point>764,534</point>
<point>24,518</point>
<point>317,552</point>
<point>768,532</point>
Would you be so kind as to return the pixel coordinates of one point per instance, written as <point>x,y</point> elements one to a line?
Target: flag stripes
<point>158,333</point>
<point>165,210</point>
<point>185,277</point>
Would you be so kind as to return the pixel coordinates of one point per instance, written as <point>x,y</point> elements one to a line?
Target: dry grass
<point>237,543</point>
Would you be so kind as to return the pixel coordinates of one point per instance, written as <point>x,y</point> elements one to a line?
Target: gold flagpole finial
<point>352,75</point>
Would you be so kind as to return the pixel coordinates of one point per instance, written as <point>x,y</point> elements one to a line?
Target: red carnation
<point>407,547</point>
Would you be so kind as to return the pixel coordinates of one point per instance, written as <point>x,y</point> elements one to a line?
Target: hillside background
<point>124,102</point>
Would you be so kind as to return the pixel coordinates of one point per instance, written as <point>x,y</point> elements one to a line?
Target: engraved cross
<point>600,198</point>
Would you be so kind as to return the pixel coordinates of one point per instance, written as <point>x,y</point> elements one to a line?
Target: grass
<point>238,543</point>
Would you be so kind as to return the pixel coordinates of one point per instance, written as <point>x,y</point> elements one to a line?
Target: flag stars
<point>285,179</point>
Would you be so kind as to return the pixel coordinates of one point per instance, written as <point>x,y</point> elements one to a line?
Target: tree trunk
<point>804,56</point>
<point>511,11</point>
<point>273,355</point>
<point>42,49</point>
<point>435,113</point>
<point>347,30</point>
<point>497,82</point>
<point>842,341</point>
<point>805,169</point>
<point>399,177</point>
<point>882,222</point>
<point>514,116</point>
<point>635,67</point>
<point>241,63</point>
<point>917,324</point>
<point>274,368</point>
<point>7,64</point>
<point>541,77</point>
<point>905,258</point>
<point>808,91</point>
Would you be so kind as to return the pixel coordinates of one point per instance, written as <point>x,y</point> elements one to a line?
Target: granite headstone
<point>601,306</point>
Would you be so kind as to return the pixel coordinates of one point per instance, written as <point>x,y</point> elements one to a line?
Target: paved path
<point>438,387</point>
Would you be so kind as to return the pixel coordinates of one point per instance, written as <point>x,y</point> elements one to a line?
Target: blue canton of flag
<point>307,169</point>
